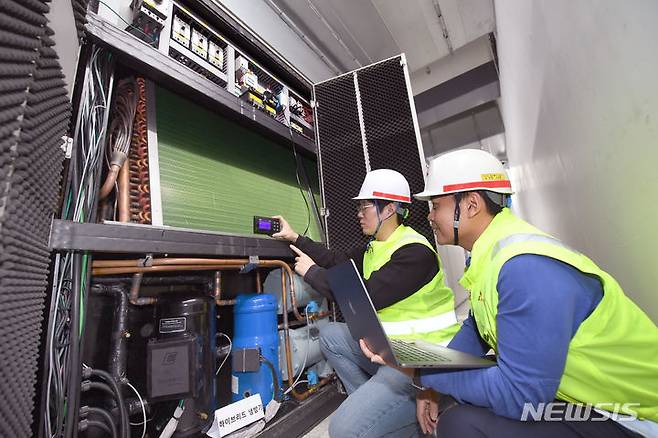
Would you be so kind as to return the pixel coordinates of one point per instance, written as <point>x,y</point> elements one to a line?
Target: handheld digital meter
<point>266,225</point>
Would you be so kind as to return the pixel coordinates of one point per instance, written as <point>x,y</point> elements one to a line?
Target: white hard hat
<point>465,170</point>
<point>385,184</point>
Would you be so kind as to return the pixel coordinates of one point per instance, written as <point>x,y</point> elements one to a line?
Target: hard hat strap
<point>379,224</point>
<point>455,222</point>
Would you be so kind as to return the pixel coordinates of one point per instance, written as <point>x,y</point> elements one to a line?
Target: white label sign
<point>235,383</point>
<point>236,416</point>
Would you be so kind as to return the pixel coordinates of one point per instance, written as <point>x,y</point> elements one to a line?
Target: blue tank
<point>255,326</point>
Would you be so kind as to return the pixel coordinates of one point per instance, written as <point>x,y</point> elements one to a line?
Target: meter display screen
<point>266,225</point>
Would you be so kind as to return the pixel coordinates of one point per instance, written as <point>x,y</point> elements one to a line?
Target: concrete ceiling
<point>354,33</point>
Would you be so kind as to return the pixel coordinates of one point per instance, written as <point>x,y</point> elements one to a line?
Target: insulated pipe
<point>135,299</point>
<point>117,365</point>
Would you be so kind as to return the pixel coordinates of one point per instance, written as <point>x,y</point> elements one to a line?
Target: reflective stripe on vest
<point>425,325</point>
<point>526,237</point>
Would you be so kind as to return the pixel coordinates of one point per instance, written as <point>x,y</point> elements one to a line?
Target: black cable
<point>299,183</point>
<point>275,380</point>
<point>104,414</point>
<point>75,364</point>
<point>88,385</point>
<point>456,218</point>
<point>85,424</point>
<point>125,427</point>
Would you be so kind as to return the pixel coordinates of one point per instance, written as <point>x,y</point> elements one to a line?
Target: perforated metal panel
<point>391,141</point>
<point>342,161</point>
<point>390,130</point>
<point>34,114</point>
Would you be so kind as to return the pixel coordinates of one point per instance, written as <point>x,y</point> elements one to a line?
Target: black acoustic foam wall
<point>390,138</point>
<point>34,115</point>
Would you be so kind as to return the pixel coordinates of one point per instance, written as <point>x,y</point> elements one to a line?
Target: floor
<point>320,431</point>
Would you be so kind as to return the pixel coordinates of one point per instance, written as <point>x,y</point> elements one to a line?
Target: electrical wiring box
<point>149,18</point>
<point>181,31</point>
<point>301,116</point>
<point>197,45</point>
<point>171,369</point>
<point>215,54</point>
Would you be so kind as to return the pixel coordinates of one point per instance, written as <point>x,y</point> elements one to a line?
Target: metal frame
<point>357,69</point>
<point>362,126</point>
<point>116,237</point>
<point>323,211</point>
<point>412,104</point>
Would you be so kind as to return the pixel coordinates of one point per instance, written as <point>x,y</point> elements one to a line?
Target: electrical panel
<point>301,116</point>
<point>197,46</point>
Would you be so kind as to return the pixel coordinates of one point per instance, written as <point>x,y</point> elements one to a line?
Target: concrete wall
<point>580,107</point>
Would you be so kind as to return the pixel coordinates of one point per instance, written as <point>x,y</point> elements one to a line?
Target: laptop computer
<point>361,317</point>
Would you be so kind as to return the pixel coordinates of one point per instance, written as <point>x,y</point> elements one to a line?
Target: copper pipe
<point>135,299</point>
<point>136,263</point>
<point>218,290</point>
<point>131,263</point>
<point>110,180</point>
<point>124,193</point>
<point>286,334</point>
<point>144,269</point>
<point>259,287</point>
<point>304,395</point>
<point>293,297</point>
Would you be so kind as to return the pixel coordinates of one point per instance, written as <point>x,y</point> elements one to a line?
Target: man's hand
<point>369,354</point>
<point>286,233</point>
<point>427,410</point>
<point>302,262</point>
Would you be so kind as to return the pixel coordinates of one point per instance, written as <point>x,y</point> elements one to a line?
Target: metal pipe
<point>109,267</point>
<point>117,364</point>
<point>124,192</point>
<point>218,290</point>
<point>158,280</point>
<point>143,269</point>
<point>259,286</point>
<point>135,299</point>
<point>127,263</point>
<point>110,180</point>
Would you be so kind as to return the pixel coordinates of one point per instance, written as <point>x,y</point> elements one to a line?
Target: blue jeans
<point>381,401</point>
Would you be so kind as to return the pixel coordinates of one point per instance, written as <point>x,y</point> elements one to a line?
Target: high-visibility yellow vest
<point>612,358</point>
<point>427,314</point>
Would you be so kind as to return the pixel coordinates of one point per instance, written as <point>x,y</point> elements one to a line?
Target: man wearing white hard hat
<point>404,278</point>
<point>576,357</point>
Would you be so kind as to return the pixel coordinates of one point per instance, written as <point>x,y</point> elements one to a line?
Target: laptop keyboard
<point>407,352</point>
